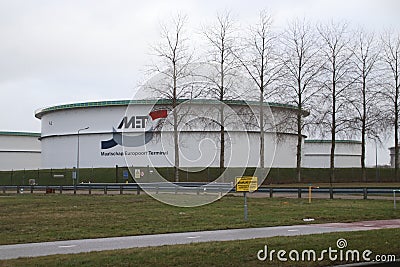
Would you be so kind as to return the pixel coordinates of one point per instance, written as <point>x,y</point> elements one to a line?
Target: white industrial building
<point>123,133</point>
<point>120,133</point>
<point>19,150</point>
<point>317,154</point>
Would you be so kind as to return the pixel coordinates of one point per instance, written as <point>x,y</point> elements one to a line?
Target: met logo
<point>133,122</point>
<point>143,137</point>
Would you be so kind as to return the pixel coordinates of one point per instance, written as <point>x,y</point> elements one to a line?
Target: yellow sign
<point>246,184</point>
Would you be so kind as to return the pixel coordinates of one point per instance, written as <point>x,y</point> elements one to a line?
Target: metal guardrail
<point>138,187</point>
<point>186,187</point>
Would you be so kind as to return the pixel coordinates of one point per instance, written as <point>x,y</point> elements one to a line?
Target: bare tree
<point>174,68</point>
<point>337,81</point>
<point>391,59</point>
<point>260,60</point>
<point>221,38</point>
<point>365,99</point>
<point>302,67</point>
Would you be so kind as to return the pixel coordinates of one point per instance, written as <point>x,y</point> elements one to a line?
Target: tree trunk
<point>363,170</point>
<point>396,137</point>
<point>222,140</point>
<point>221,112</point>
<point>332,157</point>
<point>176,136</point>
<point>363,130</point>
<point>262,145</point>
<point>262,137</point>
<point>299,128</point>
<point>397,121</point>
<point>333,137</point>
<point>176,146</point>
<point>299,139</point>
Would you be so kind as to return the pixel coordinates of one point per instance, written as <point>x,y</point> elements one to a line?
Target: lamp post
<point>77,156</point>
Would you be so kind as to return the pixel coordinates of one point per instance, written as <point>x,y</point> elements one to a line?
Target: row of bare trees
<point>348,79</point>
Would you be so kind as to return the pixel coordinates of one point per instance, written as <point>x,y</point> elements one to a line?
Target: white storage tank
<point>105,129</point>
<point>19,150</point>
<point>317,154</point>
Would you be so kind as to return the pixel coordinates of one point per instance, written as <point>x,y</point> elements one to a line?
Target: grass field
<point>34,218</point>
<point>233,253</point>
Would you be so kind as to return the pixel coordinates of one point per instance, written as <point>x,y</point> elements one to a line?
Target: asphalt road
<point>100,244</point>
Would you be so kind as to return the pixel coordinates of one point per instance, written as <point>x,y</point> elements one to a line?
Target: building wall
<point>195,151</point>
<point>317,154</point>
<point>18,152</point>
<point>392,150</point>
<point>199,147</point>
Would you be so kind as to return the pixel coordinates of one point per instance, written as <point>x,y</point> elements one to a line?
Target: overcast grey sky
<point>56,51</point>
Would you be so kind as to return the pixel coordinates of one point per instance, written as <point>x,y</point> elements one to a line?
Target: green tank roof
<point>40,112</point>
<point>20,134</point>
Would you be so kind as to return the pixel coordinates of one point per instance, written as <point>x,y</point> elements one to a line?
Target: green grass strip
<point>232,253</point>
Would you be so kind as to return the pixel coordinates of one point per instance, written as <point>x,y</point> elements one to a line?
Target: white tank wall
<point>19,152</point>
<point>392,160</point>
<point>285,153</point>
<point>317,155</point>
<point>59,142</point>
<point>61,151</point>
